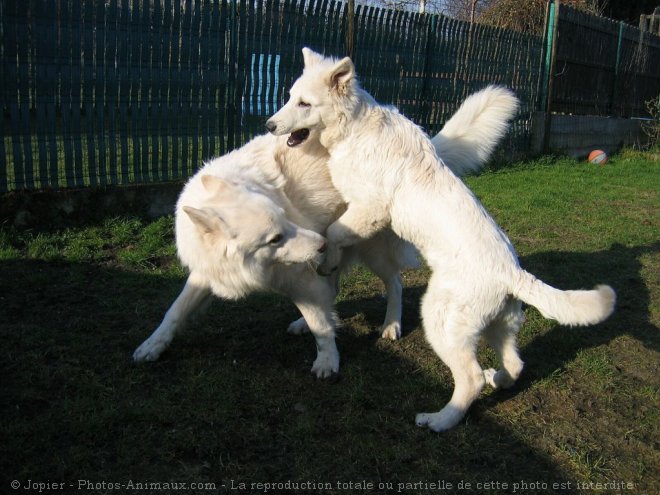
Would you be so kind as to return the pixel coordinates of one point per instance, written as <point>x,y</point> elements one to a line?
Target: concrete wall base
<point>577,135</point>
<point>70,207</point>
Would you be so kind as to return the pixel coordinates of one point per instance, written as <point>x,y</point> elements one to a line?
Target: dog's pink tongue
<point>297,137</point>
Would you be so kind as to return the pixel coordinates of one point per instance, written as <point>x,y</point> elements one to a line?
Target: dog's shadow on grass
<point>622,268</point>
<point>619,266</point>
<point>233,399</point>
<point>244,388</point>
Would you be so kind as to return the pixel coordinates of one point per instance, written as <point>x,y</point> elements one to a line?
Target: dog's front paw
<point>326,365</point>
<point>392,331</point>
<point>298,327</point>
<point>149,350</point>
<point>489,375</point>
<point>330,262</point>
<point>443,420</point>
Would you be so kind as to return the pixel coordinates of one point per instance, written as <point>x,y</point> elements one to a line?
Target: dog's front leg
<point>193,295</point>
<point>314,298</point>
<point>359,222</point>
<point>299,326</point>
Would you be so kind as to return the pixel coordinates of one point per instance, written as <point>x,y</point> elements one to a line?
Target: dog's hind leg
<point>314,298</point>
<point>192,297</point>
<point>453,335</point>
<point>501,335</point>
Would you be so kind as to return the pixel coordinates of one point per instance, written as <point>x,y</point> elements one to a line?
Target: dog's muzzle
<point>295,138</point>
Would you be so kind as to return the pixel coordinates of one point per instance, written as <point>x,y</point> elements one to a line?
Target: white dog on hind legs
<point>388,173</point>
<point>243,219</point>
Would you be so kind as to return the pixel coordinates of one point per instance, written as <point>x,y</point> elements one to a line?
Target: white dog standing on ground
<point>248,221</point>
<point>387,171</point>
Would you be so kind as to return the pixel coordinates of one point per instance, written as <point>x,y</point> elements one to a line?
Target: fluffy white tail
<point>568,307</point>
<point>468,139</point>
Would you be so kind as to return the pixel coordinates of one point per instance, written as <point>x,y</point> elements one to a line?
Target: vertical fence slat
<point>231,98</point>
<point>89,123</point>
<point>65,93</point>
<point>164,84</point>
<point>10,77</point>
<point>4,153</point>
<point>79,174</point>
<point>124,74</point>
<point>213,81</point>
<point>136,39</point>
<point>205,76</point>
<point>221,74</point>
<point>156,91</point>
<point>4,161</point>
<point>175,90</point>
<point>239,64</point>
<point>19,105</point>
<point>146,40</point>
<point>260,67</point>
<point>112,67</point>
<point>272,76</point>
<point>52,57</point>
<point>185,79</point>
<point>247,45</point>
<point>39,87</point>
<point>101,73</point>
<point>26,99</point>
<point>195,78</point>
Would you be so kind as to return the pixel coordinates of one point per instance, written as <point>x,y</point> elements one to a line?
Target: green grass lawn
<point>232,401</point>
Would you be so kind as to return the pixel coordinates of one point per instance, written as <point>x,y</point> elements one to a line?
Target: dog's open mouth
<point>297,137</point>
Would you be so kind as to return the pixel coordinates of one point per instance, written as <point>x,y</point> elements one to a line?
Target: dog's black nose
<point>271,126</point>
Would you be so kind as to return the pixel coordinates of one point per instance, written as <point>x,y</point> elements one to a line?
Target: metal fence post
<point>615,80</point>
<point>551,57</point>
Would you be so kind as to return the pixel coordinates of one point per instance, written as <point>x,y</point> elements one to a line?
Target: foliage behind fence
<point>132,91</point>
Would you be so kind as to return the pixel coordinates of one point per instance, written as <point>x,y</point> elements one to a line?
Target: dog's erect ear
<point>341,74</point>
<point>311,57</point>
<point>215,184</point>
<point>206,221</point>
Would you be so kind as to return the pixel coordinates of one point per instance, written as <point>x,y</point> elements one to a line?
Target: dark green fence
<point>603,67</point>
<point>107,92</point>
<point>100,92</point>
<point>132,91</point>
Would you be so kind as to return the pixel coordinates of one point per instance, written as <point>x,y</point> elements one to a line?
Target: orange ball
<point>598,156</point>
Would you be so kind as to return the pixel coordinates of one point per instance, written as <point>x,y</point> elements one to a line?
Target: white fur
<point>227,212</point>
<point>388,173</point>
<point>476,128</point>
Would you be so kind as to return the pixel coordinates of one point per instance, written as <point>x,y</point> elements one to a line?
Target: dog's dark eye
<point>276,239</point>
<point>303,104</point>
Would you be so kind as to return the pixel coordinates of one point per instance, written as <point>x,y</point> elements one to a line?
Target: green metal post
<point>616,69</point>
<point>551,59</point>
<point>549,37</point>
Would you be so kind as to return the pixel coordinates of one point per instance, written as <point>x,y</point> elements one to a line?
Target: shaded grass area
<point>232,401</point>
